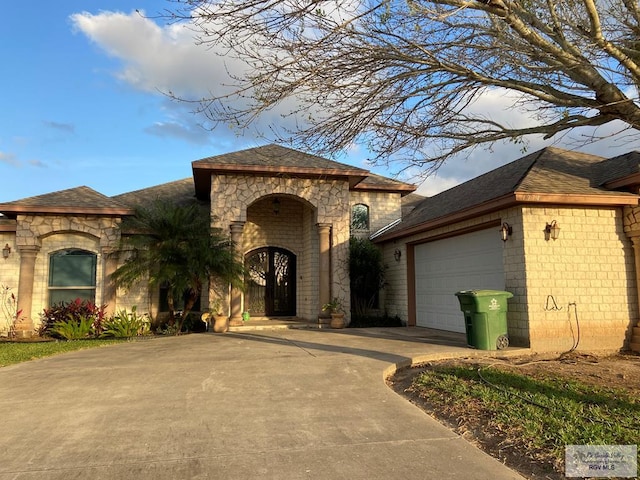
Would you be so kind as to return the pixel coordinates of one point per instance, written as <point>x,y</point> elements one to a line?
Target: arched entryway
<point>270,283</point>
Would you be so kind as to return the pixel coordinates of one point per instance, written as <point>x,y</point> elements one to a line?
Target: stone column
<point>109,265</point>
<point>236,293</point>
<point>324,279</point>
<point>635,241</point>
<point>24,325</point>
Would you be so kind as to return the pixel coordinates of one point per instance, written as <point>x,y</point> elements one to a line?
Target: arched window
<point>360,217</point>
<point>72,274</point>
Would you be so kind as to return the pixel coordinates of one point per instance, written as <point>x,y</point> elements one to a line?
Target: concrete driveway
<point>282,404</point>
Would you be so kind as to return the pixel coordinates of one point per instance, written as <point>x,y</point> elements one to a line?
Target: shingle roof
<point>178,192</point>
<point>268,160</point>
<point>623,169</point>
<point>548,173</point>
<point>79,200</point>
<point>378,182</point>
<point>275,156</point>
<point>271,160</point>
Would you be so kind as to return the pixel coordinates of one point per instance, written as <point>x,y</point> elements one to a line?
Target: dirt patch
<point>617,371</point>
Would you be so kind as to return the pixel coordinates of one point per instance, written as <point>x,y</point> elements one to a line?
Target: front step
<point>266,324</point>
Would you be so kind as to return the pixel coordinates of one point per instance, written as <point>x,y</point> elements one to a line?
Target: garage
<point>467,262</point>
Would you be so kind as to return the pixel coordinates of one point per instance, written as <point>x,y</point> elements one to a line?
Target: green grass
<point>539,416</point>
<point>16,352</point>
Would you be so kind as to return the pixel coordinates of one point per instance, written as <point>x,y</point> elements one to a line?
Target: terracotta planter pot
<point>220,323</point>
<point>337,320</point>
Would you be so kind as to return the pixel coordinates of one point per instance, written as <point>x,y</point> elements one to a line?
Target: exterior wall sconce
<point>552,230</point>
<point>6,251</point>
<point>397,254</point>
<point>505,231</point>
<point>276,206</point>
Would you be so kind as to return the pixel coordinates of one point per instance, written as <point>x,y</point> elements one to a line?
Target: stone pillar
<point>236,293</point>
<point>109,265</point>
<point>324,234</point>
<point>24,325</point>
<point>635,241</point>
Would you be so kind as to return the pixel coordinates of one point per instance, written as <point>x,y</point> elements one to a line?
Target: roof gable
<point>275,160</point>
<point>78,200</point>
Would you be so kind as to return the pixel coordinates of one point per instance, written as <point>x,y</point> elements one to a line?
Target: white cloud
<point>497,105</point>
<point>154,57</point>
<point>162,59</point>
<point>165,58</point>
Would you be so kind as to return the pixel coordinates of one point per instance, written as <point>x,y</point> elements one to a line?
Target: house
<point>556,228</point>
<point>570,256</point>
<point>288,213</point>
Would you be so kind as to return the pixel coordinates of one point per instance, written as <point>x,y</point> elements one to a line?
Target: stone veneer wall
<point>328,199</point>
<point>9,271</point>
<point>55,232</point>
<point>589,272</point>
<point>384,208</point>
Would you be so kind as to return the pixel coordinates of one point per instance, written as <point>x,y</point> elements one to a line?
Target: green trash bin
<point>485,318</point>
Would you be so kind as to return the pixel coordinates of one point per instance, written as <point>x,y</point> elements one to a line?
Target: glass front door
<point>270,282</point>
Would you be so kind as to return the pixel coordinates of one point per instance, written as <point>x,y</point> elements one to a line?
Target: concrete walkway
<point>281,404</point>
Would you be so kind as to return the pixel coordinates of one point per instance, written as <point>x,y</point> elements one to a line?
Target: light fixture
<point>505,231</point>
<point>397,254</point>
<point>276,205</point>
<point>552,230</point>
<point>6,251</point>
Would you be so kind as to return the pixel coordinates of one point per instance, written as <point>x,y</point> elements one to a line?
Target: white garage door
<point>444,267</point>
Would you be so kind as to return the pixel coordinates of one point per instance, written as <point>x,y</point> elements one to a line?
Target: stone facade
<point>384,208</point>
<point>36,237</point>
<point>304,205</point>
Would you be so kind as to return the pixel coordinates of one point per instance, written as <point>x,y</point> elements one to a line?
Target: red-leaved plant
<point>72,311</point>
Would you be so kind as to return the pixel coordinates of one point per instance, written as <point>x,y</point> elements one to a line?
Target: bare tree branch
<point>402,75</point>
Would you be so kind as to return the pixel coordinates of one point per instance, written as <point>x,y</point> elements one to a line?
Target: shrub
<point>72,312</point>
<point>73,329</point>
<point>194,324</point>
<point>126,324</point>
<point>366,274</point>
<point>365,321</point>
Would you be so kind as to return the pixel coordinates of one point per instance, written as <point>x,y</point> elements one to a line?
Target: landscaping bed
<point>524,410</point>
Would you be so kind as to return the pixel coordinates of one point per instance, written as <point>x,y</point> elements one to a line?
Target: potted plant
<point>334,307</point>
<point>220,320</point>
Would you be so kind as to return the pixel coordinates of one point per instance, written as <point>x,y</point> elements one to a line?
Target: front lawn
<point>20,351</point>
<point>526,414</point>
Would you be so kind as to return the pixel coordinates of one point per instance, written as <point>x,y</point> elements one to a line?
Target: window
<point>72,274</point>
<point>360,217</point>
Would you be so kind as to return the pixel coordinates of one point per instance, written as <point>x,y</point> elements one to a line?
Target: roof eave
<point>620,200</point>
<point>44,210</point>
<point>629,181</point>
<point>401,189</point>
<point>461,215</point>
<point>8,225</point>
<point>509,200</point>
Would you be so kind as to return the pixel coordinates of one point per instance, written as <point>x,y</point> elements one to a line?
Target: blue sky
<point>81,102</point>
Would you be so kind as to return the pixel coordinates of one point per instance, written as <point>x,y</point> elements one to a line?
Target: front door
<point>270,282</point>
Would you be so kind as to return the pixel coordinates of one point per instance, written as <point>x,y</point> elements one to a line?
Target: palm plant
<point>175,246</point>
